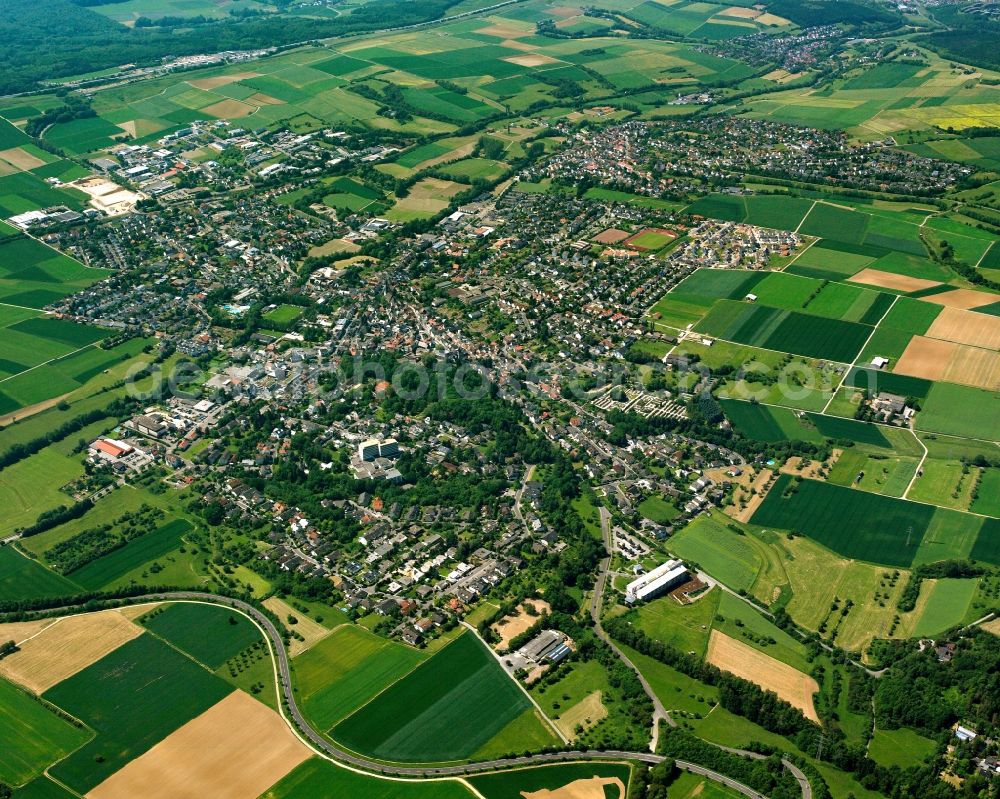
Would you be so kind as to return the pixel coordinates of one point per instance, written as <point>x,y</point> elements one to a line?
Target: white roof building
<point>663,578</point>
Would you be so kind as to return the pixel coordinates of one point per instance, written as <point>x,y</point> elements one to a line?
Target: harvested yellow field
<point>933,359</point>
<point>514,44</point>
<point>507,29</point>
<point>133,612</point>
<point>772,20</point>
<point>264,99</point>
<point>963,298</point>
<point>230,109</point>
<point>740,11</point>
<point>533,60</point>
<point>888,280</point>
<point>967,327</point>
<point>594,788</point>
<point>744,661</point>
<point>66,647</point>
<point>992,626</point>
<point>585,714</point>
<point>22,159</point>
<point>236,749</point>
<point>21,631</point>
<point>311,631</point>
<point>221,80</point>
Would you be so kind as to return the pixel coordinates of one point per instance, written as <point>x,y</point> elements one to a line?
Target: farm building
<point>663,578</point>
<point>109,449</point>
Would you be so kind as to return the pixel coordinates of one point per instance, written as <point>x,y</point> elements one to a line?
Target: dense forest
<point>61,38</point>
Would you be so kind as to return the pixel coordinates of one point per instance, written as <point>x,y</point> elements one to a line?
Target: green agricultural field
<point>133,698</point>
<point>515,784</point>
<point>952,535</point>
<point>945,483</point>
<point>987,545</point>
<point>767,423</point>
<point>987,499</point>
<point>474,168</point>
<point>947,605</point>
<point>827,263</point>
<point>938,414</point>
<point>855,524</point>
<point>139,551</point>
<point>445,709</point>
<point>777,211</point>
<point>874,381</point>
<point>42,788</point>
<point>84,135</point>
<point>210,634</point>
<point>686,627</point>
<point>738,619</point>
<point>785,330</point>
<point>728,556</point>
<point>25,191</point>
<point>32,736</point>
<point>902,747</point>
<point>346,670</point>
<point>23,578</point>
<point>31,486</point>
<point>882,475</point>
<point>321,779</point>
<point>835,223</point>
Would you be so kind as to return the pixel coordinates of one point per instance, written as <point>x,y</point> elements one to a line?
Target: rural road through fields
<point>331,750</point>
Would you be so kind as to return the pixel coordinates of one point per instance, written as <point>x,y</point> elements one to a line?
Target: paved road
<point>596,603</point>
<point>333,751</point>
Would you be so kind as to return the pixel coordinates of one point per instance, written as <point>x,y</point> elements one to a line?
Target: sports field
<point>133,698</point>
<point>446,709</point>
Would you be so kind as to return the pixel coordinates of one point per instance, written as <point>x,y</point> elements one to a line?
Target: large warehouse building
<point>663,578</point>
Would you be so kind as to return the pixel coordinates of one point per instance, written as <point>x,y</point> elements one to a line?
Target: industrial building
<point>663,578</point>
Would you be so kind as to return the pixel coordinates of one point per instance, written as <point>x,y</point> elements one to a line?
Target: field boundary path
<point>348,759</point>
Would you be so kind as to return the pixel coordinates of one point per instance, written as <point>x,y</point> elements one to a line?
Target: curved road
<point>321,744</point>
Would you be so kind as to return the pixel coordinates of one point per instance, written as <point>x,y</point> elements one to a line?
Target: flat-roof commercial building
<point>663,578</point>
